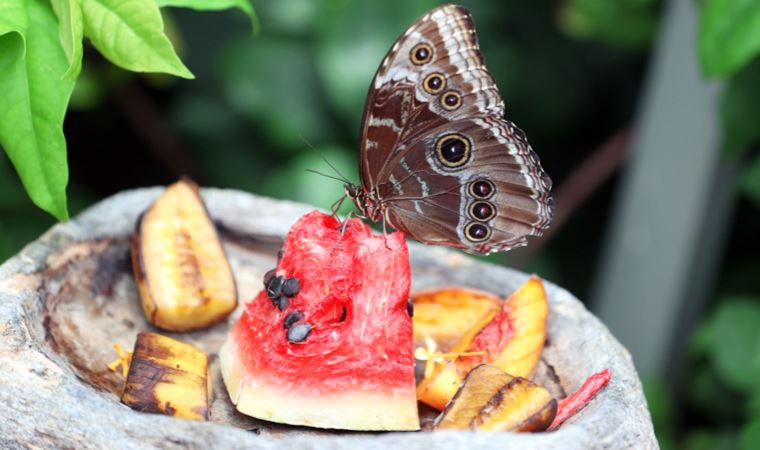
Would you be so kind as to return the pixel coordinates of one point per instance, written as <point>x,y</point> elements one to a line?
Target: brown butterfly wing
<point>398,106</point>
<point>431,98</point>
<point>438,201</point>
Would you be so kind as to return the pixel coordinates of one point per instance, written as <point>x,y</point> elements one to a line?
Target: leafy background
<point>104,95</point>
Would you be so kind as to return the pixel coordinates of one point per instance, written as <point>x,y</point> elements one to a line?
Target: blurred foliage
<point>721,391</point>
<point>750,181</point>
<point>662,408</point>
<point>729,35</point>
<point>718,404</point>
<point>740,105</point>
<point>750,435</point>
<point>736,353</point>
<point>18,225</point>
<point>20,221</point>
<point>700,439</point>
<point>626,24</point>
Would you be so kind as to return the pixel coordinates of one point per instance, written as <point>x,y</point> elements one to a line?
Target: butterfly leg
<point>344,224</point>
<point>342,227</point>
<point>336,206</point>
<point>385,229</point>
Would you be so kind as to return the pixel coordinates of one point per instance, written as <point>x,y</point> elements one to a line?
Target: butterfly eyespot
<point>482,189</point>
<point>421,54</point>
<point>483,211</point>
<point>477,232</point>
<point>451,100</point>
<point>434,83</point>
<point>453,150</point>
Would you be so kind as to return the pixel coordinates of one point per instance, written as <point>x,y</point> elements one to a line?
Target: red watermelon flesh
<point>355,369</point>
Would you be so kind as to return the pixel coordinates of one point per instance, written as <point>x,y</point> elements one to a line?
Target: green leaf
<point>71,31</point>
<point>34,101</point>
<point>215,5</point>
<point>739,109</point>
<point>729,35</point>
<point>749,183</point>
<point>13,17</point>
<point>736,349</point>
<point>130,34</point>
<point>749,436</point>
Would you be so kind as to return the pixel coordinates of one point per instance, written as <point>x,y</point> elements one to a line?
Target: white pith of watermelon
<point>354,370</point>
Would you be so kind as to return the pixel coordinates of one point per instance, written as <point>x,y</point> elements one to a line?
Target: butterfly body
<point>438,161</point>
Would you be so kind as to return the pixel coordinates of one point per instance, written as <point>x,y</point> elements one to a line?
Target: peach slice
<point>492,400</point>
<point>512,340</point>
<point>439,388</point>
<point>444,315</point>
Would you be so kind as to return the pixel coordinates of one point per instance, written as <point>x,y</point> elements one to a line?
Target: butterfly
<point>438,161</point>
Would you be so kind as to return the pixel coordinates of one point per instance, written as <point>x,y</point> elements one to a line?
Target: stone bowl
<point>66,298</point>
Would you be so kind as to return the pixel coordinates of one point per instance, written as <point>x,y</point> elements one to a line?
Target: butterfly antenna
<point>327,176</point>
<point>342,178</point>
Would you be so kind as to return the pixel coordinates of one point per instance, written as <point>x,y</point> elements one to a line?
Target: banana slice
<point>492,400</point>
<point>182,273</point>
<point>169,377</point>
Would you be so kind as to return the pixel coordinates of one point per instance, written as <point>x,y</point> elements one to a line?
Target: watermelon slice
<point>328,342</point>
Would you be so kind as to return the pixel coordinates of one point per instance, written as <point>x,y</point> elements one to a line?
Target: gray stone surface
<point>68,296</point>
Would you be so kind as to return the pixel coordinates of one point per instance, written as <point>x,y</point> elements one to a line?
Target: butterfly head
<point>352,191</point>
<point>367,205</point>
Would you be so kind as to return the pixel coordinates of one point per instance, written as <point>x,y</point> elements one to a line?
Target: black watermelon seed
<point>291,319</point>
<point>298,332</point>
<point>291,287</point>
<point>410,307</point>
<point>268,276</point>
<point>282,303</point>
<point>280,254</point>
<point>343,314</point>
<point>274,287</point>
